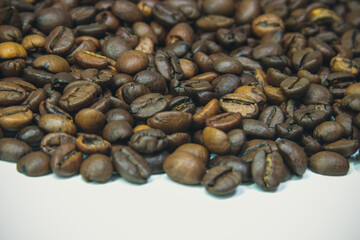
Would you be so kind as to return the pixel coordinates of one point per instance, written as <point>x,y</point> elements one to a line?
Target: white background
<point>52,208</point>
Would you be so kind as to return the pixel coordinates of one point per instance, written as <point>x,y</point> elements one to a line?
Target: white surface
<point>50,208</point>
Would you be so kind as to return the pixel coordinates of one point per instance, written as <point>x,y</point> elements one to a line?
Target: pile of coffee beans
<point>211,92</point>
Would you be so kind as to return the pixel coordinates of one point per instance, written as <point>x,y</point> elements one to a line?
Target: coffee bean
<point>293,155</point>
<point>90,120</point>
<point>328,131</point>
<point>92,143</point>
<point>235,163</point>
<point>66,161</point>
<point>148,105</point>
<point>216,140</point>
<point>59,41</point>
<point>171,121</point>
<point>51,141</point>
<point>267,169</point>
<point>130,165</point>
<point>34,164</point>
<point>14,118</point>
<point>132,62</point>
<point>234,102</point>
<point>12,149</point>
<point>329,163</point>
<point>117,130</point>
<point>97,167</point>
<point>148,141</point>
<point>221,180</point>
<point>11,94</point>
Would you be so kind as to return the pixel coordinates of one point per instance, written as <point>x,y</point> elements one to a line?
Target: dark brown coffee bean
<point>237,138</point>
<point>66,161</point>
<point>309,117</point>
<point>289,130</point>
<point>12,149</point>
<point>257,129</point>
<point>267,169</point>
<point>13,67</point>
<point>83,15</point>
<point>294,87</point>
<point>92,143</point>
<point>59,41</point>
<point>221,180</point>
<point>226,83</point>
<point>119,114</point>
<point>351,102</point>
<point>167,15</point>
<point>34,164</point>
<point>49,18</point>
<point>117,130</point>
<point>195,149</point>
<point>171,121</point>
<point>182,104</point>
<point>344,147</point>
<point>178,139</point>
<point>329,163</point>
<point>126,11</point>
<point>328,131</point>
<point>156,161</point>
<point>168,65</point>
<point>224,121</point>
<point>97,168</point>
<point>148,141</point>
<point>235,163</point>
<point>37,77</point>
<point>51,141</point>
<point>132,62</point>
<point>32,135</point>
<point>267,23</point>
<point>272,116</point>
<point>293,155</point>
<point>211,23</point>
<point>14,118</point>
<point>184,168</point>
<point>130,165</point>
<point>246,11</point>
<point>148,105</point>
<point>251,147</point>
<point>227,65</point>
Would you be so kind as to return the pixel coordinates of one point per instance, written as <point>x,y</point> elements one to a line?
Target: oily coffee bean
<point>272,116</point>
<point>221,180</point>
<point>156,161</point>
<point>66,161</point>
<point>97,167</point>
<point>251,147</point>
<point>329,163</point>
<point>117,130</point>
<point>168,65</point>
<point>12,149</point>
<point>184,168</point>
<point>257,129</point>
<point>14,118</point>
<point>216,140</point>
<point>178,139</point>
<point>224,121</point>
<point>182,104</point>
<point>59,41</point>
<point>148,141</point>
<point>130,165</point>
<point>235,163</point>
<point>235,102</point>
<point>344,147</point>
<point>11,94</point>
<point>293,155</point>
<point>56,123</point>
<point>171,121</point>
<point>195,149</point>
<point>34,164</point>
<point>289,130</point>
<point>119,114</point>
<point>237,138</point>
<point>294,87</point>
<point>267,169</point>
<point>90,120</point>
<point>148,105</point>
<point>32,135</point>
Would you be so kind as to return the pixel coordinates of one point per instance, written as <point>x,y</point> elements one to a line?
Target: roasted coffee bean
<point>227,65</point>
<point>130,165</point>
<point>168,65</point>
<point>131,91</point>
<point>329,163</point>
<point>235,163</point>
<point>182,104</point>
<point>167,15</point>
<point>210,109</point>
<point>211,23</point>
<point>224,121</point>
<point>59,41</point>
<point>251,147</point>
<point>309,117</point>
<point>34,164</point>
<point>13,67</point>
<point>51,141</point>
<point>216,140</point>
<point>90,120</point>
<point>119,114</point>
<point>328,131</point>
<point>148,105</point>
<point>178,139</point>
<point>92,143</point>
<point>132,62</point>
<point>294,87</point>
<point>289,130</point>
<point>267,23</point>
<point>149,141</point>
<point>32,135</point>
<point>49,18</point>
<point>51,63</point>
<point>37,77</point>
<point>344,147</point>
<point>195,149</point>
<point>14,118</point>
<point>310,144</point>
<point>156,161</point>
<point>11,94</point>
<point>351,102</point>
<point>235,102</point>
<point>246,11</point>
<point>293,155</point>
<point>237,138</point>
<point>66,161</point>
<point>97,167</point>
<point>184,168</point>
<point>171,121</point>
<point>10,34</point>
<point>272,116</point>
<point>126,11</point>
<point>267,169</point>
<point>152,80</point>
<point>221,180</point>
<point>117,130</point>
<point>10,50</point>
<point>257,129</point>
<point>56,123</point>
<point>12,149</point>
<point>226,83</point>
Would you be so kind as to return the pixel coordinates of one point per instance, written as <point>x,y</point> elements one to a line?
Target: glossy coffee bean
<point>184,168</point>
<point>90,120</point>
<point>148,105</point>
<point>235,163</point>
<point>14,118</point>
<point>257,129</point>
<point>195,149</point>
<point>12,149</point>
<point>56,123</point>
<point>148,141</point>
<point>221,180</point>
<point>171,121</point>
<point>97,168</point>
<point>224,121</point>
<point>267,169</point>
<point>132,62</point>
<point>235,102</point>
<point>92,143</point>
<point>11,94</point>
<point>117,130</point>
<point>51,141</point>
<point>32,135</point>
<point>66,160</point>
<point>344,147</point>
<point>216,140</point>
<point>59,41</point>
<point>328,131</point>
<point>178,139</point>
<point>34,164</point>
<point>329,163</point>
<point>130,165</point>
<point>293,155</point>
